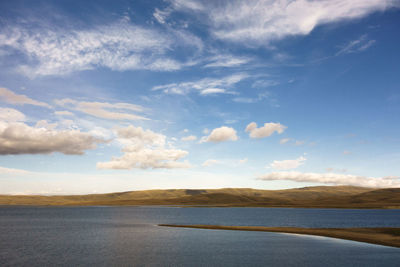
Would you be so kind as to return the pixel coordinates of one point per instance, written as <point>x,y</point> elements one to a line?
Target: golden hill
<point>312,197</point>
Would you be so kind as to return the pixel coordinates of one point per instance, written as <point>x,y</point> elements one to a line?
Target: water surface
<point>104,236</point>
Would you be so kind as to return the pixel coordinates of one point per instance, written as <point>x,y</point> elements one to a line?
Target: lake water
<point>129,236</point>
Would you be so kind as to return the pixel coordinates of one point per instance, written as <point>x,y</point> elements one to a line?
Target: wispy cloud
<point>358,45</point>
<point>258,22</point>
<point>264,83</point>
<point>333,178</point>
<point>258,98</point>
<point>187,4</point>
<point>226,61</point>
<point>204,86</point>
<point>243,161</point>
<point>161,15</point>
<point>210,162</point>
<point>284,140</point>
<point>64,113</point>
<point>9,96</point>
<point>287,164</point>
<point>118,46</point>
<point>103,110</point>
<point>189,138</point>
<point>299,142</point>
<point>291,140</point>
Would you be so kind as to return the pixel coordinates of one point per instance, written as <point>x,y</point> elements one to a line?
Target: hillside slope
<point>316,197</point>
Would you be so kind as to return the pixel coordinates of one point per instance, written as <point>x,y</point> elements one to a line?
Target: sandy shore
<point>380,236</point>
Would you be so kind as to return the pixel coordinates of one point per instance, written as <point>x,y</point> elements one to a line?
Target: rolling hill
<point>309,197</point>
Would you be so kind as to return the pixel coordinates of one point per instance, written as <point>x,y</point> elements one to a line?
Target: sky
<point>107,96</point>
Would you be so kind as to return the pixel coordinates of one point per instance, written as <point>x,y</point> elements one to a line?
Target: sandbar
<point>387,236</point>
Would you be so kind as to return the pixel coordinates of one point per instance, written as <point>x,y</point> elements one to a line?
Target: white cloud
<point>140,136</point>
<point>288,164</point>
<point>226,61</point>
<point>335,170</point>
<point>210,91</point>
<point>46,125</point>
<point>246,100</point>
<point>186,4</point>
<point>161,15</point>
<point>210,162</point>
<point>204,86</point>
<point>144,149</point>
<point>9,96</point>
<point>284,140</point>
<point>346,152</point>
<point>19,138</point>
<point>11,171</point>
<point>333,178</point>
<point>258,22</point>
<point>299,142</point>
<point>102,109</point>
<point>220,135</point>
<point>358,45</point>
<point>118,46</point>
<point>260,97</point>
<point>267,130</point>
<point>295,142</point>
<point>11,115</point>
<point>189,138</point>
<point>264,83</point>
<point>64,113</point>
<point>230,121</point>
<point>243,161</point>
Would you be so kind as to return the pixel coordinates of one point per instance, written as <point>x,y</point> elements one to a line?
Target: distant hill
<point>310,197</point>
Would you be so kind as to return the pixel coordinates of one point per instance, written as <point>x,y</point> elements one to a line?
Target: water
<point>122,236</point>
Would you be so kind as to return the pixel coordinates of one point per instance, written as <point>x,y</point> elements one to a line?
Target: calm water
<point>129,236</point>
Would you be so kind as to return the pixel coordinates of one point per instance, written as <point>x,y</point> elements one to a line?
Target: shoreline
<point>197,206</point>
<point>386,236</point>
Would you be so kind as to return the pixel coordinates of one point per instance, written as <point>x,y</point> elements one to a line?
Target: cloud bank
<point>20,138</point>
<point>287,164</point>
<point>333,178</point>
<point>144,149</point>
<point>11,115</point>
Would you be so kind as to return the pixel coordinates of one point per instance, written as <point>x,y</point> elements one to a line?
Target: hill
<point>309,197</point>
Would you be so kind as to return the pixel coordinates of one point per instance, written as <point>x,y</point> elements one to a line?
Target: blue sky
<point>100,96</point>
